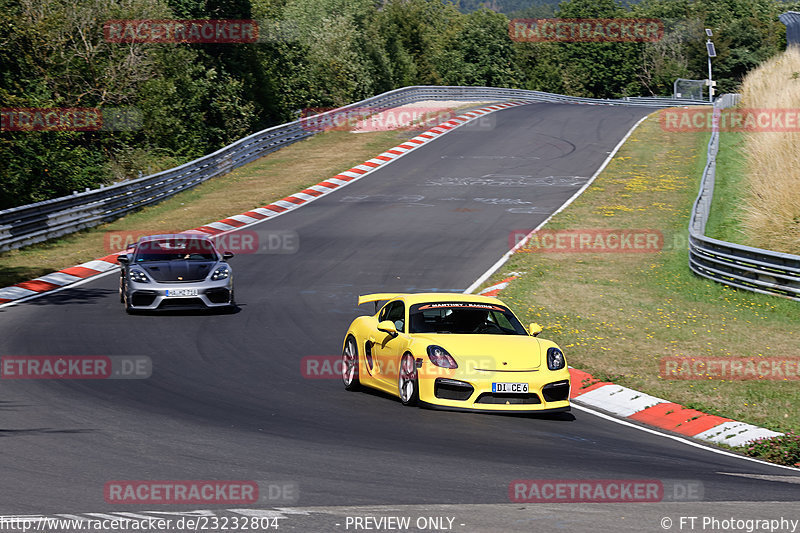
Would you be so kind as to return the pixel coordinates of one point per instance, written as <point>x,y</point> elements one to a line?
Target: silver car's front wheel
<point>126,298</point>
<point>407,380</point>
<point>350,365</point>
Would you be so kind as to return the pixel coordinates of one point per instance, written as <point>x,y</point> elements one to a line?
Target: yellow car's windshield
<point>463,318</point>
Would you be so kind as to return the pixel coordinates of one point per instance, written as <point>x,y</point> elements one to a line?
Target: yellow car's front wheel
<point>350,365</point>
<point>407,380</point>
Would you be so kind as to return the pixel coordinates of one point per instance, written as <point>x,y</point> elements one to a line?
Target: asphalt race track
<point>227,399</point>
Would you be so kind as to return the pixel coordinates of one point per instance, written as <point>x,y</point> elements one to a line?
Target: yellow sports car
<point>455,352</point>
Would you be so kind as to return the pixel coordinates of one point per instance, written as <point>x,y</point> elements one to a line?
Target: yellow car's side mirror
<point>534,329</point>
<point>387,326</point>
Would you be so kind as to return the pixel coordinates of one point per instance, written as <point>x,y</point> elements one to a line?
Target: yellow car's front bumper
<point>548,391</point>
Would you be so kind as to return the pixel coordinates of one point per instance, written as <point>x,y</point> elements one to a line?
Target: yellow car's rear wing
<point>378,296</point>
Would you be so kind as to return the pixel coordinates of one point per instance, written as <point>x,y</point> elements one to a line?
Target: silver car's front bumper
<point>153,295</point>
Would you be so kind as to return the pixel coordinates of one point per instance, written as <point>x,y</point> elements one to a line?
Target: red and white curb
<point>68,276</point>
<point>494,290</point>
<point>56,280</point>
<point>657,412</point>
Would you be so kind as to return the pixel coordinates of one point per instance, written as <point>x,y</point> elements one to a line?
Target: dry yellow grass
<point>772,218</point>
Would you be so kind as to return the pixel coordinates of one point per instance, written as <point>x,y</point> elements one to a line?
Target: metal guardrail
<point>28,224</point>
<point>744,267</point>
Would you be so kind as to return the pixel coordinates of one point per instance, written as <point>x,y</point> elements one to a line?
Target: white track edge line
<point>684,440</point>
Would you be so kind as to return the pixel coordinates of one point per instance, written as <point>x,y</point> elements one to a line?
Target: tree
<point>600,69</point>
<point>481,53</point>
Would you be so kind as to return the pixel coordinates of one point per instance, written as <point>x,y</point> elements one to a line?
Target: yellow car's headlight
<point>440,357</point>
<point>555,359</point>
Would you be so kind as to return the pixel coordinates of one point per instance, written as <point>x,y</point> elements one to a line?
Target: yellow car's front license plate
<point>182,292</point>
<point>513,388</point>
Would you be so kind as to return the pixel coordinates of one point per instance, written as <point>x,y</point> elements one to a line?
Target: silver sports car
<point>169,271</point>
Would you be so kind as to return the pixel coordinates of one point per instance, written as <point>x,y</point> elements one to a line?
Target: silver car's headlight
<point>221,273</point>
<point>555,359</point>
<point>138,276</point>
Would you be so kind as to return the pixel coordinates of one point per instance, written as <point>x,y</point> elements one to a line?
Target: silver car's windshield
<point>463,318</point>
<point>175,250</point>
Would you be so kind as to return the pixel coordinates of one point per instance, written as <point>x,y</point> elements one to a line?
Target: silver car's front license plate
<point>513,388</point>
<point>181,292</point>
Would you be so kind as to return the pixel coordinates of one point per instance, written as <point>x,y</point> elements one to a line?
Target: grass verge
<point>725,222</point>
<point>618,314</point>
